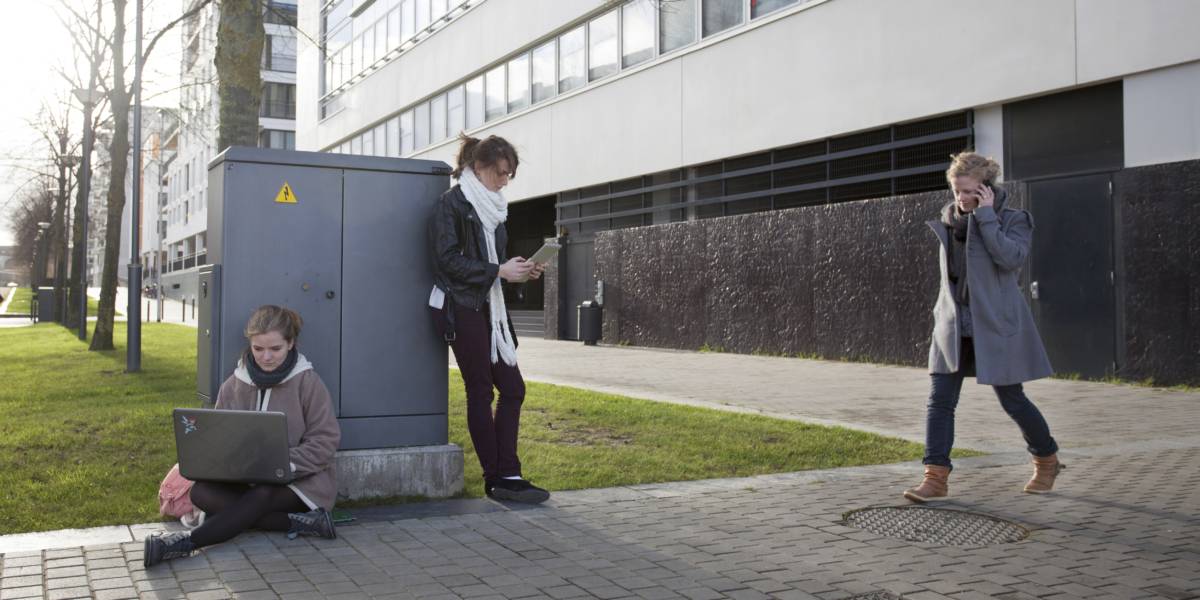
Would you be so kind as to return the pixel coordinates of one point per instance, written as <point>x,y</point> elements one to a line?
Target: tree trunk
<point>102,336</point>
<point>240,40</point>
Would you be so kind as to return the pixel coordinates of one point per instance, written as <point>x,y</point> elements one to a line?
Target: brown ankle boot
<point>934,487</point>
<point>1045,469</point>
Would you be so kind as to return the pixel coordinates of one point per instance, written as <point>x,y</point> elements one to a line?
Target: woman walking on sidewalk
<point>468,239</point>
<point>982,325</point>
<point>271,375</point>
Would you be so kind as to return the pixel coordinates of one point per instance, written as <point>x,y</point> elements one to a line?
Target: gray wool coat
<point>1008,349</point>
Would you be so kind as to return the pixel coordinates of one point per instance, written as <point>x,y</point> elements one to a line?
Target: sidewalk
<point>1123,522</point>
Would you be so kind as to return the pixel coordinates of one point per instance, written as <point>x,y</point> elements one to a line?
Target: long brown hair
<point>268,318</point>
<point>485,153</point>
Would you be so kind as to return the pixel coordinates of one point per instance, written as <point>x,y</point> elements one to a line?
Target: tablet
<point>545,254</point>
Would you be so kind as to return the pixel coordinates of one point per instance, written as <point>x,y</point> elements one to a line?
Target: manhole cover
<point>936,526</point>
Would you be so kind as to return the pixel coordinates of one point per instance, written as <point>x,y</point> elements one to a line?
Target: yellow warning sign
<point>286,195</point>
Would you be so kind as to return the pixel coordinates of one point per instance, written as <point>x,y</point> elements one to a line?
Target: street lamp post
<point>133,355</point>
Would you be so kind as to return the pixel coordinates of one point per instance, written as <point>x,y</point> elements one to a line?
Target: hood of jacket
<point>302,365</point>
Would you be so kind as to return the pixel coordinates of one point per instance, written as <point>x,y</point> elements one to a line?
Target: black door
<point>1071,276</point>
<point>578,282</point>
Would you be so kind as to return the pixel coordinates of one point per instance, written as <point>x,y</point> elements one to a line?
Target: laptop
<point>239,446</point>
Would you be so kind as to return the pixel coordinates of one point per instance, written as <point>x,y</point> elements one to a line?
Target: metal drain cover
<point>936,525</point>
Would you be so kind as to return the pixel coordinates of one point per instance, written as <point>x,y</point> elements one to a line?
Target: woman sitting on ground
<point>272,375</point>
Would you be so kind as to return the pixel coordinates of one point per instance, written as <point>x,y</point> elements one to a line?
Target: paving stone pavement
<point>1123,522</point>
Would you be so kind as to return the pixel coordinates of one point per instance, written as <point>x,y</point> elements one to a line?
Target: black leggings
<point>231,508</point>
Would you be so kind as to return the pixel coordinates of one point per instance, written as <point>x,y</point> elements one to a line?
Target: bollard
<point>193,308</point>
<point>183,311</point>
<point>147,311</point>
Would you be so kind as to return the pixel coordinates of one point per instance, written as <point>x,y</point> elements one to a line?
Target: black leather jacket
<point>459,250</point>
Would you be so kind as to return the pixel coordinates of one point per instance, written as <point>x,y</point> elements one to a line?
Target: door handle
<point>1033,290</point>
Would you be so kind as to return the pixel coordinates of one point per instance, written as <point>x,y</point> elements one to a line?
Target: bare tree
<point>119,98</point>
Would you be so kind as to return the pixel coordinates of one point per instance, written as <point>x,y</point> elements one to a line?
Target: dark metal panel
<point>1069,132</point>
<point>580,281</point>
<point>393,362</point>
<point>285,254</point>
<point>391,432</point>
<point>1072,267</point>
<point>208,326</point>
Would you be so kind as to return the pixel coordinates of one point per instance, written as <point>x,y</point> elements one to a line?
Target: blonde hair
<point>973,164</point>
<point>268,318</point>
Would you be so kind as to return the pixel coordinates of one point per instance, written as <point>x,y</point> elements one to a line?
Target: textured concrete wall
<point>854,280</point>
<point>1159,219</point>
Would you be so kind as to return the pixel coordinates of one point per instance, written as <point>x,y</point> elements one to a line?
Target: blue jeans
<point>943,398</point>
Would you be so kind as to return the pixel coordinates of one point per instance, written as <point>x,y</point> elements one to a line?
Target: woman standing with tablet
<point>271,375</point>
<point>468,239</point>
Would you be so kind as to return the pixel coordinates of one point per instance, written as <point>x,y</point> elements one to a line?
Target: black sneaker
<point>314,522</point>
<point>515,490</point>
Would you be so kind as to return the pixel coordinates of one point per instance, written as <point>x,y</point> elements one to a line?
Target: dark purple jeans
<point>494,435</point>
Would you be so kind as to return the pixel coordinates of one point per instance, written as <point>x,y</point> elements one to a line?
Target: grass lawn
<point>84,444</point>
<point>22,300</point>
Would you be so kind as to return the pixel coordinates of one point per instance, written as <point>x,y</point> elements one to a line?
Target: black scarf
<point>956,225</point>
<point>268,379</point>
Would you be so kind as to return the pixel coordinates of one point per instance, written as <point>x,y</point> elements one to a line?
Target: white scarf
<point>492,209</point>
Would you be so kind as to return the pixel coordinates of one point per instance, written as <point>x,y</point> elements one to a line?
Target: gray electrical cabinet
<point>343,241</point>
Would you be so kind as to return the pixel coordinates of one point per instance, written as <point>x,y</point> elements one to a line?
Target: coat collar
<point>302,365</point>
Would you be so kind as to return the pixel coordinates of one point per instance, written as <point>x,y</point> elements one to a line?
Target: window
<point>408,17</point>
<point>437,118</point>
<point>423,16</point>
<point>543,71</point>
<point>274,138</point>
<point>571,60</point>
<point>421,126</point>
<point>392,133</point>
<point>474,93</point>
<point>356,145</point>
<point>381,140</point>
<point>406,133</point>
<point>282,14</point>
<point>495,93</point>
<point>381,39</point>
<point>677,24</point>
<point>279,53</point>
<point>637,23</point>
<point>602,51</point>
<point>393,19</point>
<point>455,111</point>
<point>440,8</point>
<point>368,142</point>
<point>278,100</point>
<point>759,8</point>
<point>518,83</point>
<point>368,46</point>
<point>720,15</point>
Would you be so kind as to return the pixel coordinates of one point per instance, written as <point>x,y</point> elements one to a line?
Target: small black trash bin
<point>46,305</point>
<point>590,321</point>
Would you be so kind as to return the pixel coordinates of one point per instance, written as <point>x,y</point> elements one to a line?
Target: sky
<point>33,44</point>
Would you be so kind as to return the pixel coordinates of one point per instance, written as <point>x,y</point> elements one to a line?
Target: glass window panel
<point>408,19</point>
<point>495,93</point>
<point>381,140</point>
<point>356,145</point>
<point>759,8</point>
<point>393,136</point>
<point>637,26</point>
<point>368,41</point>
<point>543,71</point>
<point>439,9</point>
<point>368,142</point>
<point>437,118</point>
<point>474,92</point>
<point>720,15</point>
<point>455,111</point>
<point>406,133</point>
<point>571,60</point>
<point>359,57</point>
<point>393,29</point>
<point>422,14</point>
<point>381,39</point>
<point>602,53</point>
<point>518,83</point>
<point>421,126</point>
